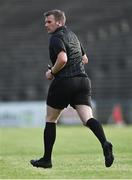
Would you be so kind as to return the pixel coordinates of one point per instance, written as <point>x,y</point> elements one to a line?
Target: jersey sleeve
<point>57,45</point>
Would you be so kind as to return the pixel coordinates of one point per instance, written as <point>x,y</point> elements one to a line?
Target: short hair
<point>58,14</point>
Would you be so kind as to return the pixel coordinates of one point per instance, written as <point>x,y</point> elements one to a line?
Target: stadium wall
<point>105,29</point>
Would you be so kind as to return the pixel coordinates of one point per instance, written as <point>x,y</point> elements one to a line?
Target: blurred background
<point>105,29</point>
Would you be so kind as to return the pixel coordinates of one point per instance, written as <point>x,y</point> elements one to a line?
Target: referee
<point>70,85</point>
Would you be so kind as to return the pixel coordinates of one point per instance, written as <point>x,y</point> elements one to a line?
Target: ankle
<point>47,159</point>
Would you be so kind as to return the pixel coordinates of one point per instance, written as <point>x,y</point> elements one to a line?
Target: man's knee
<point>52,114</point>
<point>51,118</point>
<point>84,112</point>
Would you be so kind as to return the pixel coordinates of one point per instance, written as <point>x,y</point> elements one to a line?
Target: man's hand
<point>48,74</point>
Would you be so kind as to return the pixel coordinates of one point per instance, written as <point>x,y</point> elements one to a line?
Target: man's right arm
<point>60,62</point>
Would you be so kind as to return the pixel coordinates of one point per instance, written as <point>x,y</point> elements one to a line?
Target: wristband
<point>52,72</point>
<point>49,67</point>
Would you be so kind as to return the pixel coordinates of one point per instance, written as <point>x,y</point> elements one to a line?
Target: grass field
<point>77,154</point>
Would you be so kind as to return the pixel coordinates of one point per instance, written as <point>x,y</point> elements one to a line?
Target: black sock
<point>49,139</point>
<point>97,129</point>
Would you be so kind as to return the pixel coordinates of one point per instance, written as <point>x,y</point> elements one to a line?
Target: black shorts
<point>73,91</point>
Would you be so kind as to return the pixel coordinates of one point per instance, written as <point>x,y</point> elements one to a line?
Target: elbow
<point>85,60</point>
<point>64,60</point>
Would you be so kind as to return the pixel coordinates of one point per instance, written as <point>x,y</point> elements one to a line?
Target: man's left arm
<point>84,59</point>
<point>84,56</point>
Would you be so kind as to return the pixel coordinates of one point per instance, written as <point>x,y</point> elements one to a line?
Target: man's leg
<point>86,115</point>
<point>49,138</point>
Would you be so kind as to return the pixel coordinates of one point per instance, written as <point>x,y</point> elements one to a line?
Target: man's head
<point>54,19</point>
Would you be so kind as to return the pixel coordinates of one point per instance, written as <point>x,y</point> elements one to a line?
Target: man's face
<point>51,24</point>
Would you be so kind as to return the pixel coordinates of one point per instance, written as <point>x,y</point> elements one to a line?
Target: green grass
<point>77,153</point>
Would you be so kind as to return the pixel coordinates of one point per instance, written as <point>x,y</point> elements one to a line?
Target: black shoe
<point>109,157</point>
<point>41,163</point>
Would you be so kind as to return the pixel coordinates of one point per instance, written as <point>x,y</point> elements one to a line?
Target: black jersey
<point>65,40</point>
